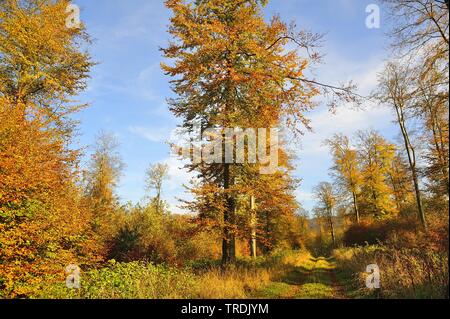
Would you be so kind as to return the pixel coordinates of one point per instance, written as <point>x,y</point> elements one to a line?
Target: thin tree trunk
<point>253,227</point>
<point>412,163</point>
<point>229,241</point>
<point>266,233</point>
<point>439,146</point>
<point>395,189</point>
<point>419,200</point>
<point>158,203</point>
<point>445,159</point>
<point>355,205</point>
<point>330,218</point>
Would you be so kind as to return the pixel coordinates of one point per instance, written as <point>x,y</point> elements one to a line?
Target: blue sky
<point>128,91</point>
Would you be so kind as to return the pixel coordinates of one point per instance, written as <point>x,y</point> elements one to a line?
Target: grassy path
<point>306,278</point>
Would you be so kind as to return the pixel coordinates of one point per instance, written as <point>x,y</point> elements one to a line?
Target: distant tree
<point>326,202</point>
<point>156,175</point>
<point>400,182</point>
<point>276,210</point>
<point>102,177</point>
<point>376,156</point>
<point>346,169</point>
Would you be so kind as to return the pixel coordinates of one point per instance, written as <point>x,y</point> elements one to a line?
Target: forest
<point>379,227</point>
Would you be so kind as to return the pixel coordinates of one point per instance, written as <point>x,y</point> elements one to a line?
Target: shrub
<point>372,233</point>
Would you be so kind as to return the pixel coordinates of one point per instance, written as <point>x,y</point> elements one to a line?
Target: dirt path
<point>313,278</point>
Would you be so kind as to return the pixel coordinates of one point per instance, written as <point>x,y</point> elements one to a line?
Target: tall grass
<point>248,276</point>
<point>406,273</point>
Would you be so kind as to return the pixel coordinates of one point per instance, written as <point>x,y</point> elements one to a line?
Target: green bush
<point>135,280</point>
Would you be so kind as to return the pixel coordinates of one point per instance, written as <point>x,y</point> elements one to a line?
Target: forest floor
<point>306,278</point>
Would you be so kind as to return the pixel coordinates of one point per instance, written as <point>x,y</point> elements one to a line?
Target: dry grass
<point>232,284</point>
<point>404,273</point>
<point>250,276</point>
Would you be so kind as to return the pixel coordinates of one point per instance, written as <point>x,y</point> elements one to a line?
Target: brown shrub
<point>372,233</point>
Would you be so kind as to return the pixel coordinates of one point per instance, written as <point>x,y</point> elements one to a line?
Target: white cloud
<point>156,135</point>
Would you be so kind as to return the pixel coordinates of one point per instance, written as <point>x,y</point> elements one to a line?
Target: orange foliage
<point>43,224</point>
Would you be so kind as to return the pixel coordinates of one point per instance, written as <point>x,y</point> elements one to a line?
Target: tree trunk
<point>412,164</point>
<point>419,200</point>
<point>266,233</point>
<point>254,223</point>
<point>229,238</point>
<point>439,145</point>
<point>355,205</point>
<point>395,189</point>
<point>330,218</point>
<point>158,202</point>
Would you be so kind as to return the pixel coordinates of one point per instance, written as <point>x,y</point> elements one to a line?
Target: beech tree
<point>43,224</point>
<point>431,106</point>
<point>326,198</point>
<point>156,174</point>
<point>233,69</point>
<point>420,29</point>
<point>346,169</point>
<point>396,89</point>
<point>102,178</point>
<point>376,156</point>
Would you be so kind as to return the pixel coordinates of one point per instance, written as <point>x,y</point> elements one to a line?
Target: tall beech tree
<point>396,88</point>
<point>233,69</point>
<point>420,31</point>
